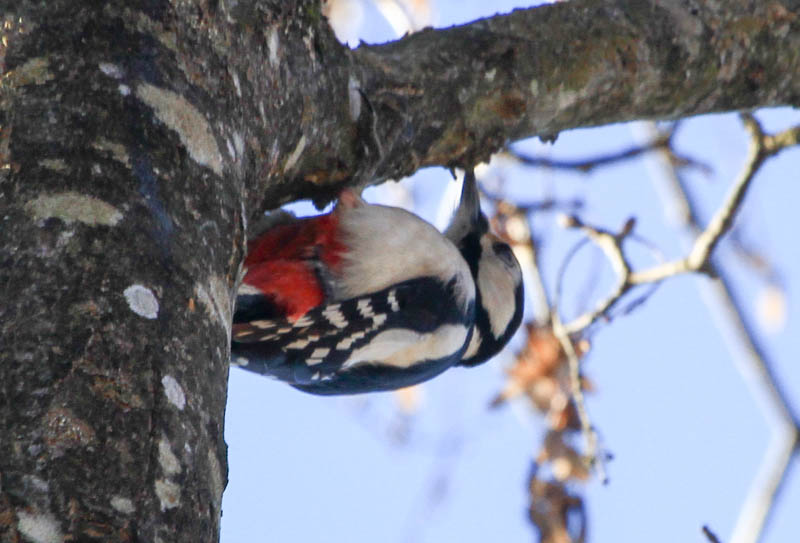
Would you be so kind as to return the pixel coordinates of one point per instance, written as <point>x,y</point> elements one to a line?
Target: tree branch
<point>762,146</point>
<point>750,356</point>
<point>453,96</point>
<point>662,141</point>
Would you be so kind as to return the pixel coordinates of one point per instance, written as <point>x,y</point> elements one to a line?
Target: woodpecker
<point>371,298</point>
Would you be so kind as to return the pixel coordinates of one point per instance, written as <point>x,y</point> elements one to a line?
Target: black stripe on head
<point>470,248</point>
<point>491,345</point>
<point>502,259</point>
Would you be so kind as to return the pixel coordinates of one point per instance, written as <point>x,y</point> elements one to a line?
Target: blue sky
<point>686,435</point>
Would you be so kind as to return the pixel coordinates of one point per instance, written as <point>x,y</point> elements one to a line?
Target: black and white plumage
<point>396,337</point>
<point>366,298</point>
<point>499,300</point>
<point>371,298</point>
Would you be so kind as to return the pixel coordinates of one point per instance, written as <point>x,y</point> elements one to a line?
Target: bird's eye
<point>504,252</point>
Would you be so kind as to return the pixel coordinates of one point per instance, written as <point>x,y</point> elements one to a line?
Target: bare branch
<point>611,244</point>
<point>662,141</point>
<point>595,458</point>
<point>766,484</point>
<point>752,359</point>
<point>722,220</point>
<point>453,96</point>
<point>711,536</point>
<point>762,146</point>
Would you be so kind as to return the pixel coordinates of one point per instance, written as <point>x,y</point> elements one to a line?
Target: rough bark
<point>138,137</point>
<point>448,97</point>
<point>120,245</point>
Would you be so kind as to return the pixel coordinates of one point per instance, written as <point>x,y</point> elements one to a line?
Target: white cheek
<point>474,344</point>
<point>497,286</point>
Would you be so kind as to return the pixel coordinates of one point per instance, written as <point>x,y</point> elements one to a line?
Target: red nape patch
<point>281,262</point>
<point>305,239</point>
<point>291,285</point>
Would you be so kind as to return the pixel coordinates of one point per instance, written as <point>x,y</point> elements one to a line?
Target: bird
<point>370,298</point>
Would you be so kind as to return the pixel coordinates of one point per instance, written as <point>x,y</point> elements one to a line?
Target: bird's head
<point>497,276</point>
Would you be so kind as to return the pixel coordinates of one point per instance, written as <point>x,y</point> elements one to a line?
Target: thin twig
<point>595,458</point>
<point>545,204</point>
<point>540,295</point>
<point>661,141</point>
<point>762,147</point>
<point>611,244</point>
<point>766,485</point>
<point>697,260</point>
<point>754,363</point>
<point>711,536</point>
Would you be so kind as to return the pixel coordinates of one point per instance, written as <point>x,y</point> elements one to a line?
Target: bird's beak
<point>470,204</point>
<point>468,217</point>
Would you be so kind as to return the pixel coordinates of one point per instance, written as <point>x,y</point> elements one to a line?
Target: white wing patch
<point>263,325</point>
<point>318,355</point>
<point>403,348</point>
<point>301,343</point>
<point>378,320</point>
<point>303,321</point>
<point>335,316</point>
<point>345,344</point>
<point>393,300</point>
<point>365,308</point>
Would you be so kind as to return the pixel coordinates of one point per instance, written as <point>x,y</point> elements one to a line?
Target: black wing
<point>316,352</point>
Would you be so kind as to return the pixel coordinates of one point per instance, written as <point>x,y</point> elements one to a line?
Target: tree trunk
<point>138,138</point>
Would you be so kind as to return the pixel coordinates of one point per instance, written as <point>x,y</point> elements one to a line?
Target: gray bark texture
<point>137,138</point>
